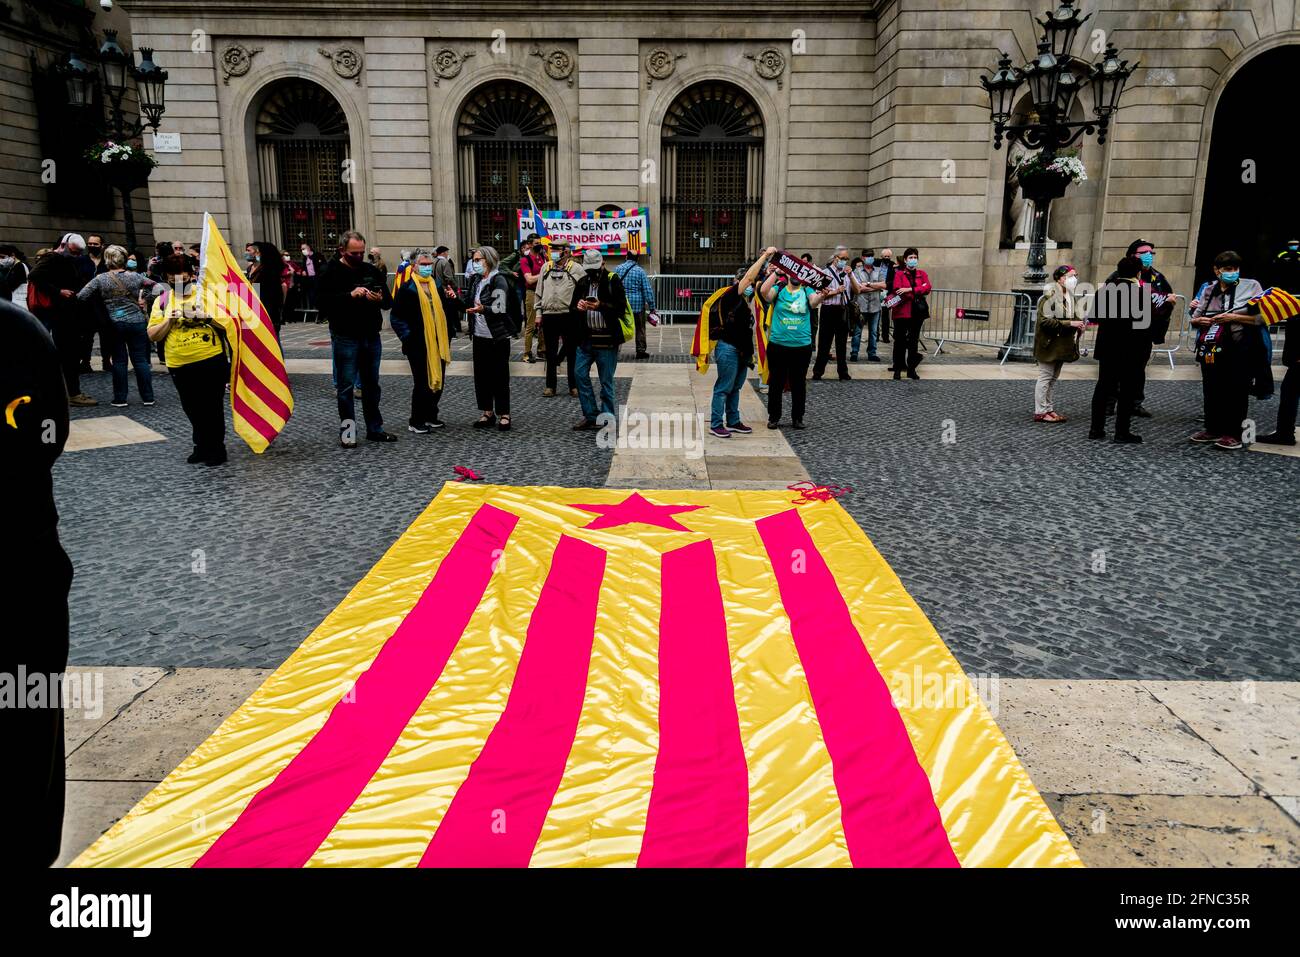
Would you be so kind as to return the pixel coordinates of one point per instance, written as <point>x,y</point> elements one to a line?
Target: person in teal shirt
<point>789,345</point>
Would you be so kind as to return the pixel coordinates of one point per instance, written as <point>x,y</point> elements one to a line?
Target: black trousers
<point>1227,388</point>
<point>34,582</point>
<point>907,332</point>
<point>834,328</point>
<point>561,334</point>
<point>492,374</point>
<point>202,388</point>
<point>1142,357</point>
<point>787,364</point>
<point>65,329</point>
<point>884,324</point>
<point>424,401</point>
<point>1118,377</point>
<point>1289,398</point>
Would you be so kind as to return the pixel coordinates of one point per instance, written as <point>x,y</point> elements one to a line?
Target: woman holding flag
<point>790,340</point>
<point>196,358</point>
<point>421,325</point>
<point>733,325</point>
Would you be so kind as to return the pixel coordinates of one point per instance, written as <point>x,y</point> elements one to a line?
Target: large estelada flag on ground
<point>583,677</point>
<point>260,400</point>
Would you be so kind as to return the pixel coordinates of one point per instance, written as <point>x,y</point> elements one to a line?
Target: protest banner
<point>805,272</point>
<point>613,232</point>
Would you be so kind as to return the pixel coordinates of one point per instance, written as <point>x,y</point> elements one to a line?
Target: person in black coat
<point>494,314</point>
<point>1163,303</point>
<point>35,576</point>
<point>1123,342</point>
<point>1289,396</point>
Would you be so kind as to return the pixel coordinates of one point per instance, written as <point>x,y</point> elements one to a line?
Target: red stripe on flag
<point>886,805</point>
<point>258,387</point>
<point>699,804</point>
<point>246,412</point>
<point>498,812</point>
<point>287,820</point>
<point>274,364</point>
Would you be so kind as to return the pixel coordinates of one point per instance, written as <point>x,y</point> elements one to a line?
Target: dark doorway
<point>1250,139</point>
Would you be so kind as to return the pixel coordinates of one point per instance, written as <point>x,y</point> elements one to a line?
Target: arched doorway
<point>303,165</point>
<point>505,147</point>
<point>1250,203</point>
<point>712,174</point>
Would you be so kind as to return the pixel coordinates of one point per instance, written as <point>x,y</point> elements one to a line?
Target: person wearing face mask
<point>418,320</point>
<point>911,288</point>
<point>1163,304</point>
<point>1056,340</point>
<point>556,287</point>
<point>599,303</point>
<point>731,327</point>
<point>886,262</point>
<point>271,276</point>
<point>119,291</point>
<point>1118,312</point>
<point>833,325</point>
<point>13,271</point>
<point>789,343</point>
<point>196,359</point>
<point>494,317</point>
<point>352,293</point>
<point>871,277</point>
<point>1228,346</point>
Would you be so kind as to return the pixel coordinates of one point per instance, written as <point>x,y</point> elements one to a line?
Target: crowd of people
<point>578,311</point>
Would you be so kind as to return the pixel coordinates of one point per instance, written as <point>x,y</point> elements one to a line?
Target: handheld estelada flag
<point>539,224</point>
<point>260,399</point>
<point>598,677</point>
<point>1276,305</point>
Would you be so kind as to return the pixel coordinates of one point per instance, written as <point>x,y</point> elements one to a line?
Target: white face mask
<point>1070,282</point>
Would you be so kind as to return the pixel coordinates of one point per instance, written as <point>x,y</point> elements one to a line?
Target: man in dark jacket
<point>58,277</point>
<point>1121,312</point>
<point>352,293</point>
<point>35,575</point>
<point>599,302</point>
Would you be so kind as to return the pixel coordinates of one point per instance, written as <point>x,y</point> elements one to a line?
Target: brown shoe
<point>574,393</point>
<point>585,425</point>
<point>548,393</point>
<point>81,399</point>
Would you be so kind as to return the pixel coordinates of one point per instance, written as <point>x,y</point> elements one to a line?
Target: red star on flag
<point>636,508</point>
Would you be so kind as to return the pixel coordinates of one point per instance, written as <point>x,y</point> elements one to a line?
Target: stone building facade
<point>801,124</point>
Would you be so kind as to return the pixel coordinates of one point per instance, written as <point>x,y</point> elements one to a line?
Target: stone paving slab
<point>115,688</point>
<point>107,432</point>
<point>1111,737</point>
<point>92,807</point>
<point>147,740</point>
<point>1162,830</point>
<point>1255,725</point>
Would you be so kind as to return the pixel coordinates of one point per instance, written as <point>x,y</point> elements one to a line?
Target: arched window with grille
<point>505,146</point>
<point>302,149</point>
<point>712,175</point>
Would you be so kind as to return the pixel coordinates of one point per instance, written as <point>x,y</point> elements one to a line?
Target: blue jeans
<point>606,361</point>
<point>732,369</point>
<point>358,360</point>
<point>872,322</point>
<point>132,339</point>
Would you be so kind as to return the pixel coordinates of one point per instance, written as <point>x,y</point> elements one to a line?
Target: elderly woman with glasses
<point>492,320</point>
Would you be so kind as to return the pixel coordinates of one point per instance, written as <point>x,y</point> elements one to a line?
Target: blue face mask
<point>425,271</point>
<point>871,260</point>
<point>131,264</point>
<point>478,267</point>
<point>1230,276</point>
<point>555,257</point>
<point>911,262</point>
<point>1146,259</point>
<point>749,292</point>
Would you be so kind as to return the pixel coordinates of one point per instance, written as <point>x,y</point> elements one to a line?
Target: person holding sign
<point>834,325</point>
<point>790,341</point>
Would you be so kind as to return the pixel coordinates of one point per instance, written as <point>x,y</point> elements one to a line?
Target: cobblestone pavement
<point>309,518</point>
<point>995,535</point>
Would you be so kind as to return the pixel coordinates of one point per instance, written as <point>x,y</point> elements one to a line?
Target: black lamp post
<point>1054,78</point>
<point>116,68</point>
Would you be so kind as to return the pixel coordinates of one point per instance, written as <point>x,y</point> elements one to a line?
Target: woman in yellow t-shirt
<point>196,359</point>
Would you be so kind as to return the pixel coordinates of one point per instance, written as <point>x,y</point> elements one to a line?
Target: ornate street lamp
<point>1054,78</point>
<point>116,66</point>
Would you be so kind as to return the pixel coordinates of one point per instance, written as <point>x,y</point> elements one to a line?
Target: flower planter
<point>1042,185</point>
<point>127,176</point>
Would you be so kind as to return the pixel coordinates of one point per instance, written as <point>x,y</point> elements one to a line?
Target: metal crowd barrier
<point>680,298</point>
<point>976,317</point>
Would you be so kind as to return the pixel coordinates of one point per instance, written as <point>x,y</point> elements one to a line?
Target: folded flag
<point>596,677</point>
<point>260,399</point>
